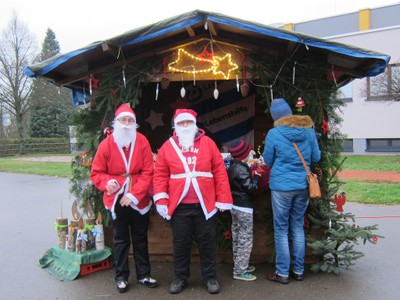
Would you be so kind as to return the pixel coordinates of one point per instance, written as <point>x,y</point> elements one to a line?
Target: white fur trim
<point>126,114</point>
<point>184,117</point>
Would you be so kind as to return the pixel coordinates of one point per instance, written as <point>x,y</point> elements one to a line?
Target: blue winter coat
<point>287,171</point>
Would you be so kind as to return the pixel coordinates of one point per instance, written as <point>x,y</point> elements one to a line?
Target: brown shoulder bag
<point>313,184</point>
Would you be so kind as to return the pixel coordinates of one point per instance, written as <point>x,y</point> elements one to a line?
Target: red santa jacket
<point>210,180</point>
<point>133,175</point>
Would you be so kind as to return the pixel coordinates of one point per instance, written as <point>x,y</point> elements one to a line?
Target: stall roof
<point>73,68</point>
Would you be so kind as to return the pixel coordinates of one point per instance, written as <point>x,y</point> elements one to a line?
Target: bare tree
<point>17,50</point>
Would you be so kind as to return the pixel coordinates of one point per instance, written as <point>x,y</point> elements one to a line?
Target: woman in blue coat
<point>289,187</point>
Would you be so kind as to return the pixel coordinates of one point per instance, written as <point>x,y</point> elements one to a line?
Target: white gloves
<point>162,210</point>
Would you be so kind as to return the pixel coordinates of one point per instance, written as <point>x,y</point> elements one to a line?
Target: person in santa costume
<point>190,186</point>
<point>122,168</point>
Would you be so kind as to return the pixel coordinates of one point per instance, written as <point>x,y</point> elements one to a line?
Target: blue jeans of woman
<point>288,209</point>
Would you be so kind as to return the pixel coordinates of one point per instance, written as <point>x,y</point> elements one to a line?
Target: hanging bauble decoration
<point>157,89</point>
<point>216,92</point>
<point>300,104</point>
<point>164,83</point>
<point>183,92</point>
<point>237,83</point>
<point>244,88</point>
<point>340,200</point>
<point>164,79</point>
<point>318,171</point>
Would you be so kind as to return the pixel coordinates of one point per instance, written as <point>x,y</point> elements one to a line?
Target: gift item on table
<point>81,239</point>
<point>62,231</point>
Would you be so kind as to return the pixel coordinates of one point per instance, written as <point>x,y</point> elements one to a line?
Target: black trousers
<point>188,224</point>
<point>130,224</point>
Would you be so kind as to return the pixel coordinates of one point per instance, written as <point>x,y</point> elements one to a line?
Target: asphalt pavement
<point>30,204</point>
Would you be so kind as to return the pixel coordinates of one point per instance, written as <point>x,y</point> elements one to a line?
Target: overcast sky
<point>78,23</point>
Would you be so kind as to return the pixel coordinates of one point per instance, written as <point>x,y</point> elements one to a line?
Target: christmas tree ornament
<point>157,89</point>
<point>340,200</point>
<point>183,91</point>
<point>325,126</point>
<point>123,76</point>
<point>216,92</point>
<point>164,83</point>
<point>237,83</point>
<point>318,171</point>
<point>294,72</point>
<point>93,83</point>
<point>164,79</point>
<point>300,104</point>
<point>244,88</point>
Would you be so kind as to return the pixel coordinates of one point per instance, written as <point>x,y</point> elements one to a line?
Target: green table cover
<point>65,265</point>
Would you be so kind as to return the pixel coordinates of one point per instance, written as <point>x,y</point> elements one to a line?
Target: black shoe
<point>275,277</point>
<point>121,286</point>
<point>149,282</point>
<point>213,286</point>
<point>297,277</point>
<point>177,286</point>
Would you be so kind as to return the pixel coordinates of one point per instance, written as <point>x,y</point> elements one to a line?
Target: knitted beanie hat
<point>280,108</point>
<point>239,150</point>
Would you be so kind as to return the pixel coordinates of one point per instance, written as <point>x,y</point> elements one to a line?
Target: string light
<point>191,64</point>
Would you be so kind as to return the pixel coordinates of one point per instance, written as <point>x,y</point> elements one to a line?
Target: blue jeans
<point>288,208</point>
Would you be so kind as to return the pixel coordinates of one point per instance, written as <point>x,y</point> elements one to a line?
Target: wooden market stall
<point>228,70</point>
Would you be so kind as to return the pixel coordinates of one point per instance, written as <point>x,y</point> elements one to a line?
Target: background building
<point>371,118</point>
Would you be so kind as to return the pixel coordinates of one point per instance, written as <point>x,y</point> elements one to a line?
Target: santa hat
<point>124,111</point>
<point>184,115</point>
<point>239,150</point>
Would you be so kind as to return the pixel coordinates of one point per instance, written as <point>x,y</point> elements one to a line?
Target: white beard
<point>186,135</point>
<point>124,134</point>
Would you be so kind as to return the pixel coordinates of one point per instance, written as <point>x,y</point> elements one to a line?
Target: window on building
<point>345,93</point>
<point>348,145</point>
<point>383,145</point>
<point>385,86</point>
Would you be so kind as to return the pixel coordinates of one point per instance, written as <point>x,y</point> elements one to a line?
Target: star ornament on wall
<point>155,120</point>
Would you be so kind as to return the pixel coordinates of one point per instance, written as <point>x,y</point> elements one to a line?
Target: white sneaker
<point>121,286</point>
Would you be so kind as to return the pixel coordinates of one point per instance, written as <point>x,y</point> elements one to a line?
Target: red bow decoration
<point>339,200</point>
<point>106,132</point>
<point>228,235</point>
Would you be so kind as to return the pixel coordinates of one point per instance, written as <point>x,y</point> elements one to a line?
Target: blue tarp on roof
<point>179,23</point>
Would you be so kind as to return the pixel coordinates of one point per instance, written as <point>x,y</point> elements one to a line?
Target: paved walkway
<point>31,203</point>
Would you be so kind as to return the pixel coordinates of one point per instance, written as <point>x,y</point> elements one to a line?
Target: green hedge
<point>10,147</point>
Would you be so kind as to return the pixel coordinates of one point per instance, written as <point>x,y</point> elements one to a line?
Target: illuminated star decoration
<point>325,126</point>
<point>188,63</point>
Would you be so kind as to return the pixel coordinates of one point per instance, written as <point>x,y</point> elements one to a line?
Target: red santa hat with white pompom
<point>184,115</point>
<point>124,111</point>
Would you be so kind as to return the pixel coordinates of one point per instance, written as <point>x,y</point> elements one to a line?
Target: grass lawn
<point>356,190</point>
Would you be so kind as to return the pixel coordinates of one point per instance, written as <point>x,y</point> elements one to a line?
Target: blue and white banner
<point>229,117</point>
